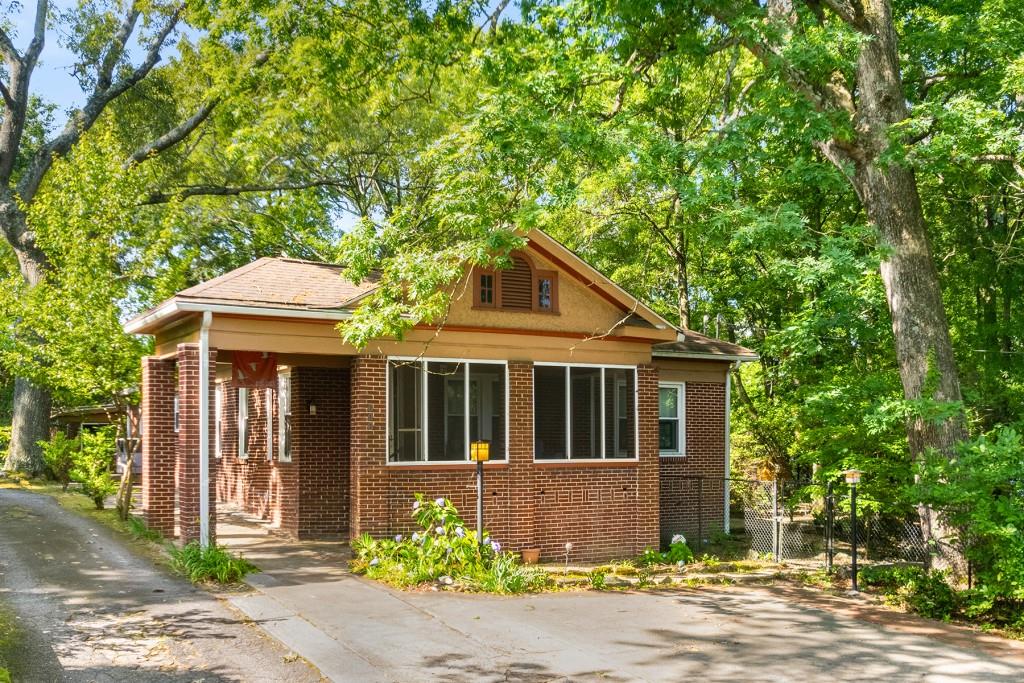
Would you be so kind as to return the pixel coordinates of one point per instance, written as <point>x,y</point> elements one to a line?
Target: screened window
<point>284,417</point>
<point>584,412</point>
<point>672,419</point>
<point>177,413</point>
<point>243,423</point>
<point>438,408</point>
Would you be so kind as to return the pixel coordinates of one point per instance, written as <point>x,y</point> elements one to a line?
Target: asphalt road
<point>90,610</point>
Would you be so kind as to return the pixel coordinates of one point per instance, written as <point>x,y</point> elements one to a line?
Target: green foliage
<point>678,553</point>
<point>139,531</point>
<point>597,579</point>
<point>443,550</point>
<point>59,454</point>
<point>981,492</point>
<point>913,588</point>
<point>92,465</point>
<point>214,564</point>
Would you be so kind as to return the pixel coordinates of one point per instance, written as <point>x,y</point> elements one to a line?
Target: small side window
<point>546,291</point>
<point>486,289</point>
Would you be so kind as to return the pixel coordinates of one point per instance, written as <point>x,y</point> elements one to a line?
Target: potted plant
<point>531,555</point>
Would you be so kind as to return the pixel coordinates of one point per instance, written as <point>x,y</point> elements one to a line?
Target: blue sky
<point>52,79</point>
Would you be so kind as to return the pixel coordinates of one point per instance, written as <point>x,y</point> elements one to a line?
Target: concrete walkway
<point>357,630</point>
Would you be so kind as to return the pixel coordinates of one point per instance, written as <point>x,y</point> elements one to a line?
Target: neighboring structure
<point>596,408</point>
<point>124,417</point>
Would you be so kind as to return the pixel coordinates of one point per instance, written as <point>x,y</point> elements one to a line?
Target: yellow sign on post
<point>480,451</point>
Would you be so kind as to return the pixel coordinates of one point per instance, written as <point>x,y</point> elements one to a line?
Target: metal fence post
<point>776,547</point>
<point>700,513</point>
<point>830,525</point>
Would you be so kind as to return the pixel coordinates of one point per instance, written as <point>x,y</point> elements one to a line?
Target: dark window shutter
<point>517,286</point>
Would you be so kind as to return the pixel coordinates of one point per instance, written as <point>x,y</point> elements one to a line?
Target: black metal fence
<point>788,521</point>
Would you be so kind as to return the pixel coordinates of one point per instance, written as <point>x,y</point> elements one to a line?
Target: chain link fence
<point>790,521</point>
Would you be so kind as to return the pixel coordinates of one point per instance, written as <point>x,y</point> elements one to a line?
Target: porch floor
<point>288,560</point>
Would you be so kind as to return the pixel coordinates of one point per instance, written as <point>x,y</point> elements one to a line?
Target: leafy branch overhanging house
<point>596,408</point>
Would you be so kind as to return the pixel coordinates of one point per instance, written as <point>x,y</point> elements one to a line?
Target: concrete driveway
<point>357,630</point>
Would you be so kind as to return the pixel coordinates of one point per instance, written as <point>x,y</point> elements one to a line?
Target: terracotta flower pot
<point>531,555</point>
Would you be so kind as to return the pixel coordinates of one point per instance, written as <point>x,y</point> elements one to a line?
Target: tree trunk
<point>924,352</point>
<point>31,406</point>
<point>31,424</point>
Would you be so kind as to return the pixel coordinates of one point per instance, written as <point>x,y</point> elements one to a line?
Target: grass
<point>212,564</point>
<point>10,637</point>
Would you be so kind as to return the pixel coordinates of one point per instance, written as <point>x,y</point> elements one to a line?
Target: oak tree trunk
<point>30,422</point>
<point>924,351</point>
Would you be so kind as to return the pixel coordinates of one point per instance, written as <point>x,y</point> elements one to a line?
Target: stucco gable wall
<point>580,309</point>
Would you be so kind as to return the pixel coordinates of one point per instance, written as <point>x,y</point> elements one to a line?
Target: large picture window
<point>436,409</point>
<point>672,418</point>
<point>584,412</point>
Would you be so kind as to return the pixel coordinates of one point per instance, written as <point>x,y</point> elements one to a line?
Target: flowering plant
<point>442,550</point>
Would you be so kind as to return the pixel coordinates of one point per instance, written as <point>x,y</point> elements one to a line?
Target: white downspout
<point>204,430</point>
<point>728,446</point>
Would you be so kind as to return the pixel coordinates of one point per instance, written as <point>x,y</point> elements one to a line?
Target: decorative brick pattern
<point>187,460</point>
<point>159,445</point>
<point>705,456</point>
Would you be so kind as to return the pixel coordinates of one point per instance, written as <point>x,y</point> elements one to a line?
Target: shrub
<point>92,465</point>
<point>678,553</point>
<point>443,550</point>
<point>214,563</point>
<point>913,588</point>
<point>59,455</point>
<point>981,491</point>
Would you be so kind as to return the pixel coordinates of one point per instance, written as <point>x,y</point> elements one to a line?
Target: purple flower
<point>415,537</point>
<point>416,505</point>
<point>398,538</point>
<point>460,532</point>
<point>374,562</point>
<point>439,502</point>
<point>439,529</point>
<point>495,546</point>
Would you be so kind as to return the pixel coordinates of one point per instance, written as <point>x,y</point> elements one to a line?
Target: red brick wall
<point>187,457</point>
<point>320,448</point>
<point>705,456</point>
<point>604,511</point>
<point>159,443</point>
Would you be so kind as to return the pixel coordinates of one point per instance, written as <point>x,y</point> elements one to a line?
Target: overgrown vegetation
<point>678,553</point>
<point>982,492</point>
<point>86,459</point>
<point>445,551</point>
<point>212,564</point>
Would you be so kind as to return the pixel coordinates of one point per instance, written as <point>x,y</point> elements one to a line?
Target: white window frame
<point>177,414</point>
<point>268,407</point>
<point>284,411</point>
<point>680,450</point>
<point>568,411</point>
<point>218,420</point>
<point>424,408</point>
<point>243,423</point>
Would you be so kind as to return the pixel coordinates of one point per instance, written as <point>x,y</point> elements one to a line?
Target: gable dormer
<point>522,287</point>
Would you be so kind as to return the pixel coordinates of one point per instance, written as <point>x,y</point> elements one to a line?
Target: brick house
<point>597,410</point>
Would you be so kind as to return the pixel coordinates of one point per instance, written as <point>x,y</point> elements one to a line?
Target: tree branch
<point>158,197</point>
<point>173,136</point>
<point>83,119</point>
<point>1002,159</point>
<point>116,49</point>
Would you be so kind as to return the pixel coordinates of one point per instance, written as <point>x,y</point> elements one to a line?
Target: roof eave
<point>148,323</point>
<point>656,353</point>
